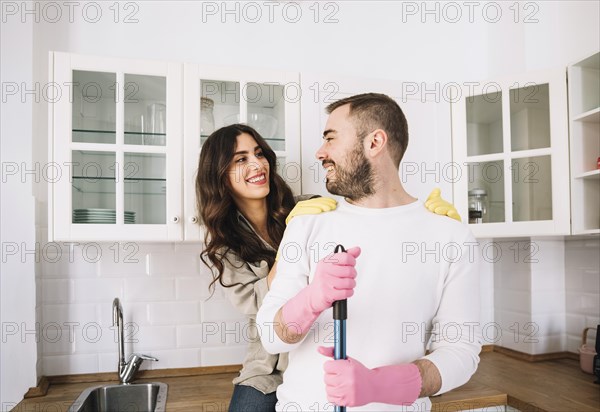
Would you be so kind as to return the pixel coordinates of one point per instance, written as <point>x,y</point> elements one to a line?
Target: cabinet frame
<point>558,152</point>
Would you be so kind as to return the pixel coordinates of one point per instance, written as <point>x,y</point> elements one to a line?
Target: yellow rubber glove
<point>439,206</point>
<point>312,207</point>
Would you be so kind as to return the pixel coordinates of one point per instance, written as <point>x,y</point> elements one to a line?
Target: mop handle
<point>340,314</point>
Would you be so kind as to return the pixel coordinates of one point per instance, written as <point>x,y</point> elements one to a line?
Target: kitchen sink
<point>138,397</point>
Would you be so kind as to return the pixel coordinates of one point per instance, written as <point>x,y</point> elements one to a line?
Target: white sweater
<point>417,287</point>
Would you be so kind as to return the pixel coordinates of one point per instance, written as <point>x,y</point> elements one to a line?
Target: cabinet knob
<point>194,219</point>
<point>175,219</point>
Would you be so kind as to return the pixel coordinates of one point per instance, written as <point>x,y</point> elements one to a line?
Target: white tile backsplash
<point>56,290</point>
<point>61,344</point>
<point>132,312</point>
<point>79,314</point>
<point>214,310</point>
<point>97,290</point>
<point>164,293</point>
<point>107,362</point>
<point>529,295</point>
<point>150,289</point>
<point>70,263</point>
<point>92,338</point>
<point>163,289</point>
<point>582,289</point>
<point>591,281</point>
<point>70,364</point>
<point>192,288</point>
<point>175,358</point>
<point>196,336</point>
<point>171,264</point>
<point>124,261</point>
<point>147,338</point>
<point>178,313</point>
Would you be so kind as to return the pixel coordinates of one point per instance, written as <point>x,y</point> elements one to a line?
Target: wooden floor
<point>552,385</point>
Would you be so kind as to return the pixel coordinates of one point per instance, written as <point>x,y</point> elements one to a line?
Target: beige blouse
<point>260,369</point>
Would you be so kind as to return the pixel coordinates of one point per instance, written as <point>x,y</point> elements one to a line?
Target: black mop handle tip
<point>340,307</point>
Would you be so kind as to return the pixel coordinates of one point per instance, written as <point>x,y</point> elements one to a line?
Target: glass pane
<point>145,110</point>
<point>145,188</point>
<point>266,112</point>
<point>93,187</point>
<point>484,124</point>
<point>532,188</point>
<point>94,107</point>
<point>486,192</point>
<point>530,117</point>
<point>219,105</point>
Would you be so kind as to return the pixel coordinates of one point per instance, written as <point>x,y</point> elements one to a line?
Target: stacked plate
<point>106,216</point>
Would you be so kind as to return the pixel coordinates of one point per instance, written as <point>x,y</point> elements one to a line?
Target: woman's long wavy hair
<point>219,211</point>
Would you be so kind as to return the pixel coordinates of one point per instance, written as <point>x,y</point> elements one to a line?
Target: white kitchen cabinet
<point>510,144</point>
<point>584,118</point>
<point>116,135</point>
<point>126,139</point>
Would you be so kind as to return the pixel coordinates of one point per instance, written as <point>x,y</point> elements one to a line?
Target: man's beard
<point>355,179</point>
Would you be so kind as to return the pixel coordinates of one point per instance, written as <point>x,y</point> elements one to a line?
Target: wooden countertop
<point>550,385</point>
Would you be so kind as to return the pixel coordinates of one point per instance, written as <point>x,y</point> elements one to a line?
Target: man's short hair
<point>370,111</point>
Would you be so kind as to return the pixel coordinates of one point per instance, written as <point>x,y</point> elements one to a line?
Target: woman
<point>244,203</point>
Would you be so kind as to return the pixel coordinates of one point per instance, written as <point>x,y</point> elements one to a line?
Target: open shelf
<point>584,110</point>
<point>107,185</point>
<point>591,116</point>
<point>589,232</point>
<point>592,174</point>
<point>109,137</point>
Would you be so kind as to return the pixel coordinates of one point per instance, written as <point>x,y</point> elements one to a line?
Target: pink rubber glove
<point>333,280</point>
<point>350,383</point>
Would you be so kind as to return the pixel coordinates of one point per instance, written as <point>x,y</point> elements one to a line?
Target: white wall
<point>370,39</point>
<point>17,230</point>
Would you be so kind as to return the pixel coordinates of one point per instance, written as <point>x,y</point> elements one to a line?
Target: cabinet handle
<point>175,219</point>
<point>194,219</point>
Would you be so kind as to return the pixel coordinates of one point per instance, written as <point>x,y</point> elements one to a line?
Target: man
<point>412,284</point>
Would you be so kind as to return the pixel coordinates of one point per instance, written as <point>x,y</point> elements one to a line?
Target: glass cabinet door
<point>512,145</point>
<point>118,135</point>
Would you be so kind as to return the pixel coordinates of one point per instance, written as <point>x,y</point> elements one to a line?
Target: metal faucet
<point>126,370</point>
